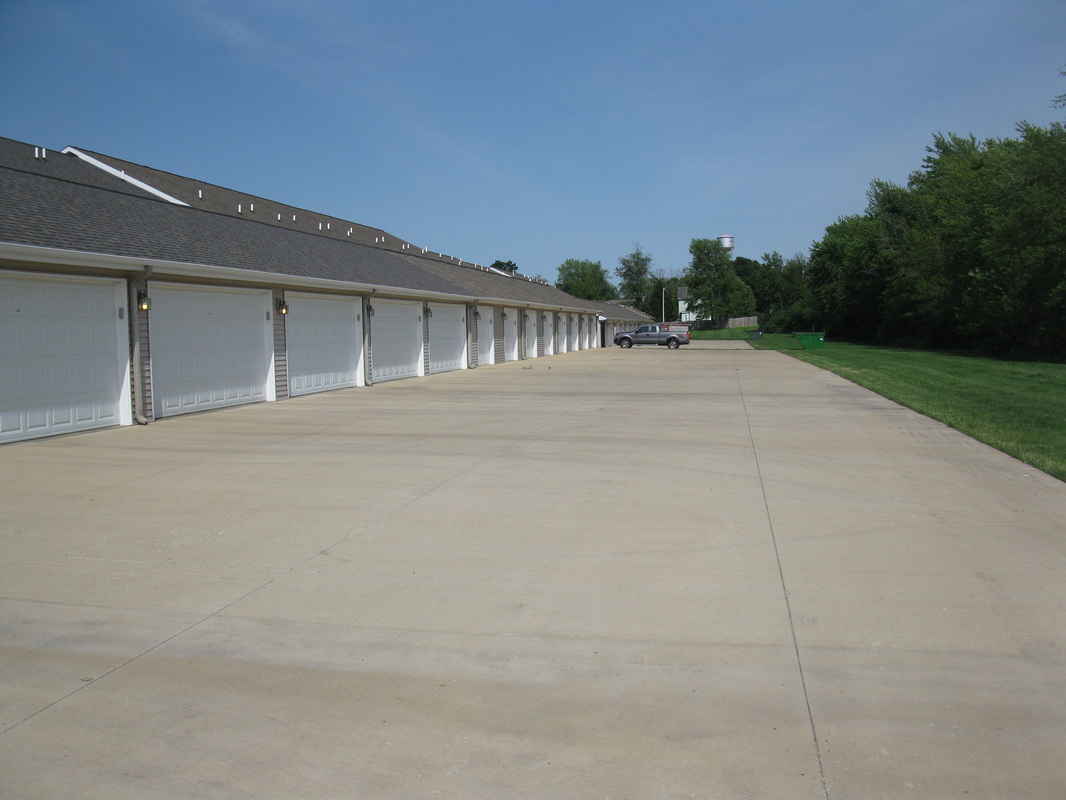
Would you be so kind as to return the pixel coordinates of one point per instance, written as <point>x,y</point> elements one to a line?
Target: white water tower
<point>727,242</point>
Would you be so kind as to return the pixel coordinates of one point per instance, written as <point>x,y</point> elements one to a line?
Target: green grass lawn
<point>1018,407</point>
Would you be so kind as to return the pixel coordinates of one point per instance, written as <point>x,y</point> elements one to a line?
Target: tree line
<point>719,286</point>
<point>970,254</point>
<point>641,286</point>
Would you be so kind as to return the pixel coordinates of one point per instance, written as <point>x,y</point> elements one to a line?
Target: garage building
<point>131,294</point>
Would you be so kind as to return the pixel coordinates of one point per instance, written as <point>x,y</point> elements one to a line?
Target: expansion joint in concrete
<point>784,584</point>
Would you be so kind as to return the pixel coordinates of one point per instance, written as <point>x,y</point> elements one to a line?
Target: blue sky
<point>535,131</point>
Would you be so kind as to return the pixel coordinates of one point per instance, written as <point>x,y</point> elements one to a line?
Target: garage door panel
<point>447,338</point>
<point>531,334</point>
<point>10,422</point>
<point>485,344</point>
<point>397,340</point>
<point>210,348</point>
<point>510,335</point>
<point>64,356</point>
<point>324,343</point>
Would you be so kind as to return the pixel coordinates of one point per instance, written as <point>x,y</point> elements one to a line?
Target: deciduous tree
<point>635,278</point>
<point>715,291</point>
<point>585,279</point>
<point>970,253</point>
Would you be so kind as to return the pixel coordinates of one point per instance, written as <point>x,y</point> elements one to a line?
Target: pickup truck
<point>672,336</point>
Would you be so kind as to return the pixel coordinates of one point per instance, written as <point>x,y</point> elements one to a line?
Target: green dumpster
<point>811,341</point>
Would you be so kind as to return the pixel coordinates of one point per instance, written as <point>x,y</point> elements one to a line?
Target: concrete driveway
<point>612,574</point>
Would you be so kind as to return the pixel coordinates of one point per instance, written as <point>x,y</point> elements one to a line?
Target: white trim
<point>121,175</point>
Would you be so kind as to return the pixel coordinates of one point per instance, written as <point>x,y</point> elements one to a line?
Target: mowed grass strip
<point>1018,407</point>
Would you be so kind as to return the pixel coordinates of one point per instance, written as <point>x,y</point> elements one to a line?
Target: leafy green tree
<point>970,253</point>
<point>585,279</point>
<point>504,266</point>
<point>766,282</point>
<point>635,279</point>
<point>747,269</point>
<point>715,291</point>
<point>798,311</point>
<point>661,303</point>
<point>915,300</point>
<point>846,280</point>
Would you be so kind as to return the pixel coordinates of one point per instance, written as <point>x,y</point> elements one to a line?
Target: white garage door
<point>324,342</point>
<point>486,346</point>
<point>64,356</point>
<point>211,348</point>
<point>396,340</point>
<point>575,332</point>
<point>549,334</point>
<point>531,334</point>
<point>510,334</point>
<point>447,338</point>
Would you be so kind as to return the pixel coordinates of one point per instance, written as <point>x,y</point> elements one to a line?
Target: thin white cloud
<point>238,33</point>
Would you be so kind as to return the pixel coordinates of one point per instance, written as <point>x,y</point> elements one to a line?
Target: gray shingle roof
<point>66,203</point>
<point>617,311</point>
<point>54,164</point>
<point>209,197</point>
<point>48,213</point>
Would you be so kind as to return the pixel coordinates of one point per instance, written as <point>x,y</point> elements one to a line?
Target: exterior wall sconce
<point>144,302</point>
<point>477,314</point>
<point>370,310</point>
<point>504,316</point>
<point>429,312</point>
<point>281,306</point>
